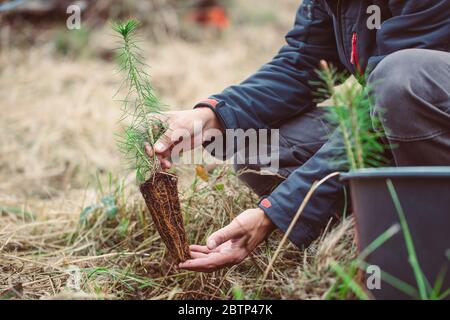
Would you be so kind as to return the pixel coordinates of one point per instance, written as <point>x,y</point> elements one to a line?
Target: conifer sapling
<point>141,111</point>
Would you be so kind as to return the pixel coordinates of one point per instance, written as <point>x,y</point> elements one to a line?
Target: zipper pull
<point>354,57</point>
<point>354,60</point>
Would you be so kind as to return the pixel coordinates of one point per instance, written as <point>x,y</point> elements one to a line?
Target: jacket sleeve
<point>327,201</point>
<point>420,24</point>
<point>282,88</point>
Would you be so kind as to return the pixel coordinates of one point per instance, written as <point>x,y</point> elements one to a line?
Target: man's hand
<point>231,245</point>
<point>183,122</point>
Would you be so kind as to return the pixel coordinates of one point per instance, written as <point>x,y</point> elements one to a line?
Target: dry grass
<point>57,147</point>
<point>130,262</point>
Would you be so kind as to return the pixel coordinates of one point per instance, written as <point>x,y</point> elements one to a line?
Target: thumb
<point>229,232</point>
<point>163,144</point>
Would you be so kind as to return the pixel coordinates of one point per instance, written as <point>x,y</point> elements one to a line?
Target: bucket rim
<point>398,172</point>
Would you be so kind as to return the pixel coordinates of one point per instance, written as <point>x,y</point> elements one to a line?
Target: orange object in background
<point>202,173</point>
<point>210,16</point>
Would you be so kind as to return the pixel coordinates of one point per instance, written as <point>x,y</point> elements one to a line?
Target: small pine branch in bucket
<point>141,111</point>
<point>351,113</point>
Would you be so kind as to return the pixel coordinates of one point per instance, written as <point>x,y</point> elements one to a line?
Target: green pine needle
<point>141,107</point>
<point>125,29</point>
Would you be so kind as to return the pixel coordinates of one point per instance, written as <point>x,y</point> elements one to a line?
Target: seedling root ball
<point>161,196</point>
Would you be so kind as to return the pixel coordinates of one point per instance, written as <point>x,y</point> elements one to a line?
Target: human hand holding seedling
<point>182,129</point>
<point>232,244</point>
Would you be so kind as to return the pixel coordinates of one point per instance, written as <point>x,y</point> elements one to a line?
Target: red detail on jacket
<point>355,57</point>
<point>266,203</point>
<point>210,102</point>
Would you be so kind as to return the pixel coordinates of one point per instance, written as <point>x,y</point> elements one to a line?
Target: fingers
<point>148,149</point>
<point>201,249</point>
<point>179,135</point>
<point>165,164</point>
<point>162,146</point>
<point>229,232</point>
<point>198,255</point>
<point>162,156</point>
<point>209,263</point>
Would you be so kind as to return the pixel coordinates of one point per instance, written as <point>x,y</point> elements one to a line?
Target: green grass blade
<point>444,295</point>
<point>413,260</point>
<point>349,281</point>
<point>435,293</point>
<point>379,241</point>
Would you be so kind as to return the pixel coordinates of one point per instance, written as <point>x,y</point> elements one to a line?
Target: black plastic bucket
<point>424,193</point>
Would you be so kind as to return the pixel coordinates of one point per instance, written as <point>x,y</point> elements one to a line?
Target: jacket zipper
<point>341,29</point>
<point>354,57</point>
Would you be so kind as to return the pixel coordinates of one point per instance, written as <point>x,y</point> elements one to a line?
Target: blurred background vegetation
<point>59,116</point>
<point>34,21</point>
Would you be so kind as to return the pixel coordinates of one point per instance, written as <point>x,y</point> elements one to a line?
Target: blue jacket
<point>336,31</point>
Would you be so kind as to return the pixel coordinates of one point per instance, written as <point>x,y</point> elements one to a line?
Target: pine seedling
<point>142,109</point>
<point>141,106</point>
<point>351,113</point>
